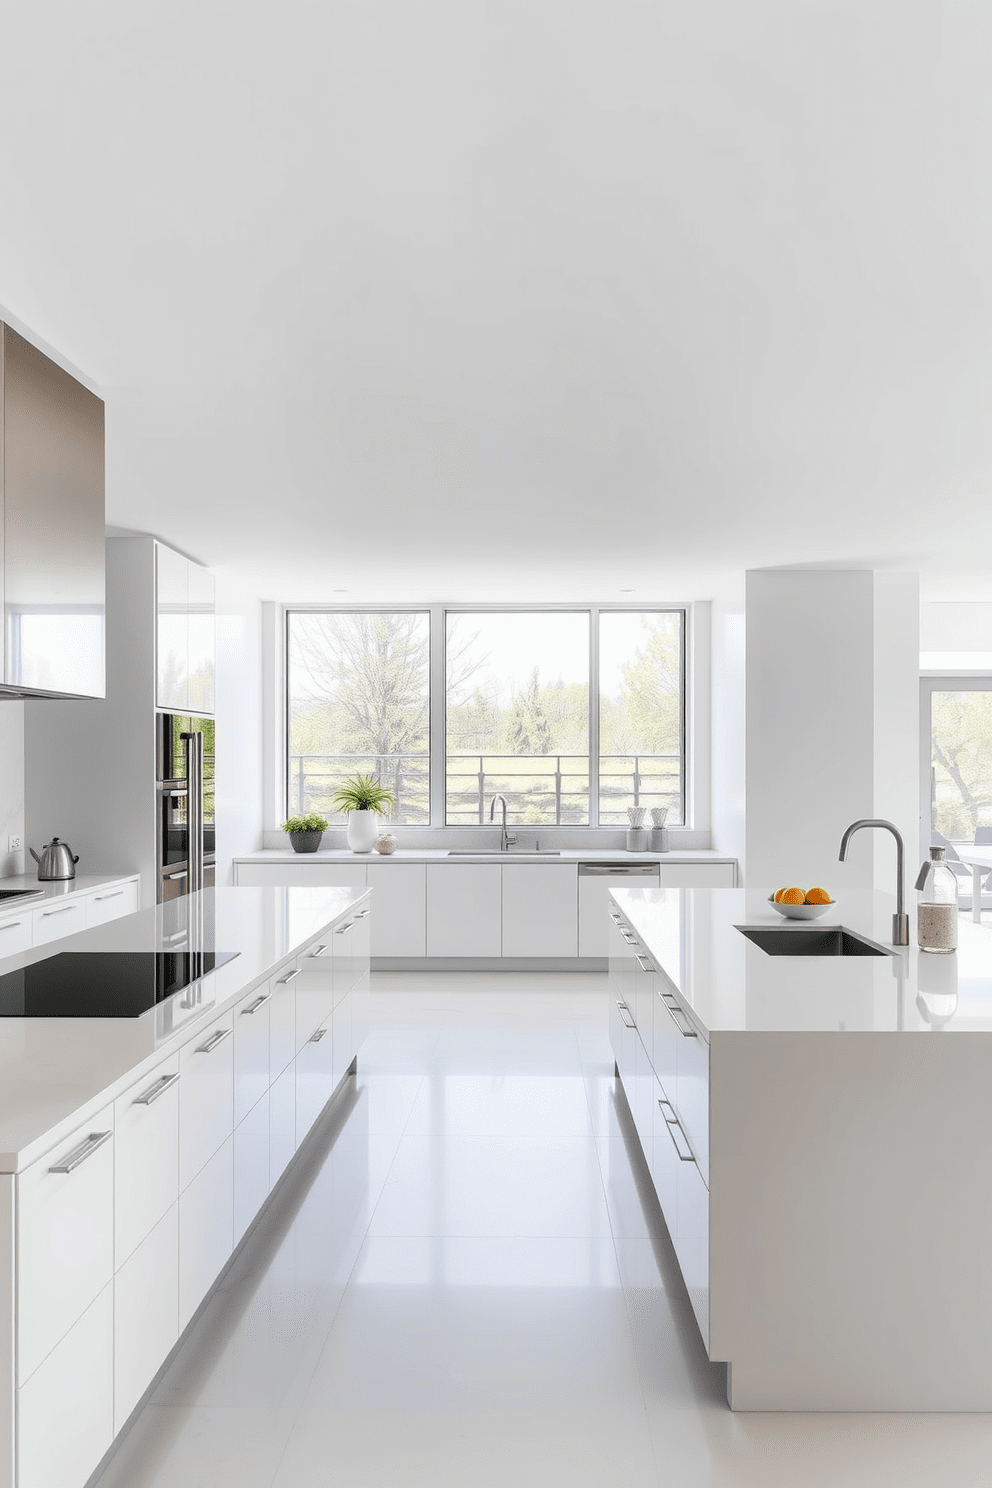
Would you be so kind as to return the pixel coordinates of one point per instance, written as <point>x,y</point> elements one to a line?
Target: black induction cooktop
<point>102,984</point>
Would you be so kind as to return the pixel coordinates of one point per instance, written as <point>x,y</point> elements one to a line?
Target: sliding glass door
<point>956,759</point>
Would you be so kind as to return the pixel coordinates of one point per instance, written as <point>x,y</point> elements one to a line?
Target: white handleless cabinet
<point>146,1176</point>
<point>206,1229</point>
<point>540,909</point>
<point>251,1165</point>
<point>172,629</point>
<point>146,1313</point>
<point>65,1237</point>
<point>282,1123</point>
<point>314,1078</point>
<point>464,909</point>
<point>65,1412</point>
<point>52,921</point>
<point>206,1104</point>
<point>399,893</point>
<point>201,638</point>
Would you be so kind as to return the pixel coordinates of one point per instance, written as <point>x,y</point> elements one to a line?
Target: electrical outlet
<point>13,844</point>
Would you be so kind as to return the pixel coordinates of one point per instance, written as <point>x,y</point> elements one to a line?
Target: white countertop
<point>729,985</point>
<point>484,855</point>
<point>54,1072</point>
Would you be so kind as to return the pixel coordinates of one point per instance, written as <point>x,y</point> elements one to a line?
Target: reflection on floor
<point>470,1283</point>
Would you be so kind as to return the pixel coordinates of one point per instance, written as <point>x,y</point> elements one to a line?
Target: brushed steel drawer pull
<point>676,1014</point>
<point>625,1013</point>
<point>11,925</point>
<point>259,1002</point>
<point>79,1154</point>
<point>99,898</point>
<point>641,963</point>
<point>214,1040</point>
<point>315,1038</point>
<point>318,951</point>
<point>152,1094</point>
<point>289,977</point>
<point>345,928</point>
<point>64,910</point>
<point>675,1132</point>
<point>362,913</point>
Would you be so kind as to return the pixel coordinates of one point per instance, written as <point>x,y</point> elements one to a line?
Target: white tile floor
<point>470,1284</point>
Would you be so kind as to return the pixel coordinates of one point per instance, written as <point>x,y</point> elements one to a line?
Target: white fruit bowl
<point>801,911</point>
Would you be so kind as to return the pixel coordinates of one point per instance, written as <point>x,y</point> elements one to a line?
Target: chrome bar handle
<point>675,1013</point>
<point>11,925</point>
<point>315,1038</point>
<point>154,1092</point>
<point>626,1013</point>
<point>99,898</point>
<point>675,1132</point>
<point>345,928</point>
<point>46,912</point>
<point>289,977</point>
<point>79,1154</point>
<point>193,747</point>
<point>214,1040</point>
<point>362,913</point>
<point>640,962</point>
<point>318,950</point>
<point>259,1002</point>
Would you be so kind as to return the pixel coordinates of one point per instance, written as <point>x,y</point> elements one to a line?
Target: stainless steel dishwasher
<point>595,882</point>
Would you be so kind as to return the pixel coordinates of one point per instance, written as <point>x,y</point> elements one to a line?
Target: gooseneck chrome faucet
<point>900,920</point>
<point>504,839</point>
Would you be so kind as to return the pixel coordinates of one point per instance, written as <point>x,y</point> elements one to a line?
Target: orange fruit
<point>818,896</point>
<point>792,896</point>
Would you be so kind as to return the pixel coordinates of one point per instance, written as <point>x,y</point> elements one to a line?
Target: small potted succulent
<point>364,799</point>
<point>305,832</point>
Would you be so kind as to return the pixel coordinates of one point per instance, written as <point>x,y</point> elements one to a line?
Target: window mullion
<point>594,716</point>
<point>438,719</point>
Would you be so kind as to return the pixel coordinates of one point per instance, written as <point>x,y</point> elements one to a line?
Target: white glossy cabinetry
<point>595,882</point>
<point>146,1167</point>
<point>399,893</point>
<point>146,1313</point>
<point>540,909</point>
<point>54,921</point>
<point>112,903</point>
<point>206,1229</point>
<point>57,915</point>
<point>464,909</point>
<point>15,933</point>
<point>65,1411</point>
<point>184,632</point>
<point>206,1107</point>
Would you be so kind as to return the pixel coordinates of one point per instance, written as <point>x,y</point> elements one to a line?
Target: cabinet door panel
<point>65,1412</point>
<point>146,1176</point>
<point>399,905</point>
<point>664,1161</point>
<point>201,638</point>
<point>111,904</point>
<point>54,921</point>
<point>15,934</point>
<point>206,1099</point>
<point>206,1230</point>
<point>282,1123</point>
<point>314,1079</point>
<point>172,630</point>
<point>344,1037</point>
<point>315,987</point>
<point>251,1165</point>
<point>146,1313</point>
<point>464,909</point>
<point>693,1097</point>
<point>282,1021</point>
<point>692,1242</point>
<point>540,909</point>
<point>65,1238</point>
<point>251,1051</point>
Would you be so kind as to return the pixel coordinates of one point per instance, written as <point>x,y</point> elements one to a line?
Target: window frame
<point>437,699</point>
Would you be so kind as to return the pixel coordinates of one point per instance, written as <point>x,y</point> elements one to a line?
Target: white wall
<point>239,723</point>
<point>727,774</point>
<point>832,697</point>
<point>12,786</point>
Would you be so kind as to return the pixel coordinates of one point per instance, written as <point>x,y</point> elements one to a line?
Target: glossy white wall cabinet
<point>184,610</point>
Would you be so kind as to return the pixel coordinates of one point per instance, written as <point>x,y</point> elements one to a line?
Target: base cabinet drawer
<point>282,1021</point>
<point>146,1313</point>
<point>692,1242</point>
<point>111,904</point>
<point>15,935</point>
<point>206,1230</point>
<point>206,1102</point>
<point>314,1079</point>
<point>65,1238</point>
<point>344,1039</point>
<point>65,1412</point>
<point>251,1051</point>
<point>251,1166</point>
<point>53,921</point>
<point>282,1124</point>
<point>146,1161</point>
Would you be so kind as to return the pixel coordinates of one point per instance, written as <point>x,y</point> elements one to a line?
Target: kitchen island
<point>818,1130</point>
<point>135,1152</point>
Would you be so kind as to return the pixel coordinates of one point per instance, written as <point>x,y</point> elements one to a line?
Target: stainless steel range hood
<point>54,542</point>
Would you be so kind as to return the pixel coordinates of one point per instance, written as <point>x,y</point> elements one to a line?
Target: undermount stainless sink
<point>483,852</point>
<point>812,942</point>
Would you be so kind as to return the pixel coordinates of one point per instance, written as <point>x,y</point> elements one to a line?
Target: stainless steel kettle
<point>56,860</point>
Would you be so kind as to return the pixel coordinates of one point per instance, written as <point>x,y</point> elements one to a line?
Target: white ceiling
<point>517,298</point>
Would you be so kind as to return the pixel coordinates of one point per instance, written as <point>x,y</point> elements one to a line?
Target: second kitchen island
<point>818,1131</point>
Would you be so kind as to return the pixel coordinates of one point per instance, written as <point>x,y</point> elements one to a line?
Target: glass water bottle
<point>937,916</point>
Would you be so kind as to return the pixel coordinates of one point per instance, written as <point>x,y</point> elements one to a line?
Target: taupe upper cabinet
<point>54,558</point>
<point>185,634</point>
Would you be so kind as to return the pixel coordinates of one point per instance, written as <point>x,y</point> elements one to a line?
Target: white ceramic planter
<point>363,829</point>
